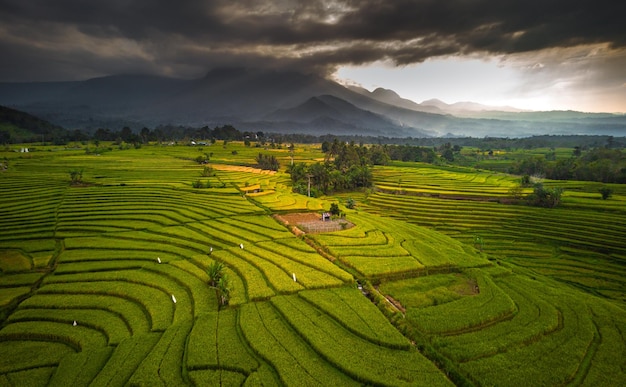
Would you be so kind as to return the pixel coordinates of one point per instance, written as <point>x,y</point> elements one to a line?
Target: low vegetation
<point>131,275</point>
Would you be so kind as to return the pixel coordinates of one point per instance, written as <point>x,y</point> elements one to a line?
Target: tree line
<point>595,158</point>
<point>168,132</point>
<point>599,164</point>
<point>347,166</point>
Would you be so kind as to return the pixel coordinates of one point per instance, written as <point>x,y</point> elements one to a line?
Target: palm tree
<point>214,271</point>
<point>219,281</point>
<point>223,290</point>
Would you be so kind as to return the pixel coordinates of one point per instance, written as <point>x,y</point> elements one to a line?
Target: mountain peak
<point>434,102</point>
<point>385,93</point>
<point>275,99</point>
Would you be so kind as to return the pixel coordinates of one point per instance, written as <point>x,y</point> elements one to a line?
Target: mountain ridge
<point>24,127</point>
<point>273,100</point>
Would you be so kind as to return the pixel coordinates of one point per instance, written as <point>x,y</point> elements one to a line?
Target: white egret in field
<point>173,298</point>
<point>74,323</point>
<point>159,259</point>
<point>294,277</point>
<point>241,245</point>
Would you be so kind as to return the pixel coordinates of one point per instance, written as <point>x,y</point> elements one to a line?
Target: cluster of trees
<point>544,196</point>
<point>125,134</point>
<point>269,162</point>
<point>482,143</point>
<point>226,132</point>
<point>599,164</point>
<point>323,178</point>
<point>346,167</point>
<point>163,133</point>
<point>596,158</point>
<point>17,126</point>
<point>159,134</point>
<point>411,153</point>
<point>532,142</point>
<point>382,154</point>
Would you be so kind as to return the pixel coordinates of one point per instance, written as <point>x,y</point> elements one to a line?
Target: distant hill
<point>392,98</point>
<point>280,101</point>
<point>18,126</point>
<point>325,109</point>
<point>466,108</point>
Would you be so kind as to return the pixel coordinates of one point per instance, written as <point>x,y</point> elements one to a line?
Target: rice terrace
<point>173,264</point>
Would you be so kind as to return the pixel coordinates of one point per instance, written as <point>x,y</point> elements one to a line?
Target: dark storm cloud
<point>41,39</point>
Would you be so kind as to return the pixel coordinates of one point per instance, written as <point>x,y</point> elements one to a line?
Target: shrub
<point>516,192</point>
<point>545,197</point>
<point>606,192</point>
<point>202,159</point>
<point>269,162</point>
<point>76,176</point>
<point>208,171</point>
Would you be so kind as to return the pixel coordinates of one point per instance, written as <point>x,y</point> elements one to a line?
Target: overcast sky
<point>535,54</point>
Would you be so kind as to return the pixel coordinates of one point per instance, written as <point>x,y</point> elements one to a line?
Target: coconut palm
<point>223,290</point>
<point>215,272</point>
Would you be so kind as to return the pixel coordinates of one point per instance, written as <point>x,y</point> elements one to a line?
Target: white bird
<point>211,250</point>
<point>241,245</point>
<point>294,277</point>
<point>74,323</point>
<point>159,259</point>
<point>173,298</point>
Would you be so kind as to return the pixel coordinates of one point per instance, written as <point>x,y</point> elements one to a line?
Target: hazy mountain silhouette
<point>467,108</point>
<point>280,101</point>
<point>392,98</point>
<point>327,109</point>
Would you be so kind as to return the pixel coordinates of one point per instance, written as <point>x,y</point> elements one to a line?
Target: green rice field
<point>438,280</point>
